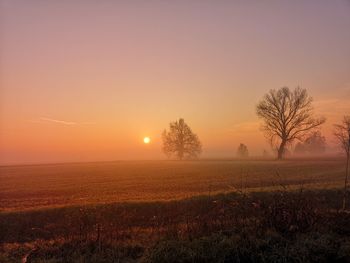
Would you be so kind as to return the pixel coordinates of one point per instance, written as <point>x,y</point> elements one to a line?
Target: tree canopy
<point>180,141</point>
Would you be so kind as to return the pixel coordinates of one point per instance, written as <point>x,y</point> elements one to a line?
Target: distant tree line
<point>314,144</point>
<point>287,116</point>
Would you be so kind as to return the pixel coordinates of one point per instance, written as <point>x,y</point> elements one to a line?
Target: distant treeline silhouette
<point>287,116</point>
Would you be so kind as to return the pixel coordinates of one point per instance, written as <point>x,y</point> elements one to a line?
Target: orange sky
<point>87,80</point>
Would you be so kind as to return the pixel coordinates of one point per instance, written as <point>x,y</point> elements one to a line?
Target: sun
<point>146,140</point>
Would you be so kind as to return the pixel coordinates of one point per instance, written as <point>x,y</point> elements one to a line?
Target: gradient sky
<point>87,80</point>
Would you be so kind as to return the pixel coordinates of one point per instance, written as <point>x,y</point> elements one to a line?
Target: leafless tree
<point>342,134</point>
<point>242,151</point>
<point>288,116</point>
<point>180,141</point>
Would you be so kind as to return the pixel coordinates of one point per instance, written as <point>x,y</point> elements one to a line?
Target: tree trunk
<point>346,180</point>
<point>281,150</point>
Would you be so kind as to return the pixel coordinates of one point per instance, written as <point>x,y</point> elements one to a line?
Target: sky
<point>88,80</point>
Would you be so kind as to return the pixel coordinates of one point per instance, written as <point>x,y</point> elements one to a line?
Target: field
<point>52,185</point>
<point>170,211</point>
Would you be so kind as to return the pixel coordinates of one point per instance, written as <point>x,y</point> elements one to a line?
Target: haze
<point>88,80</point>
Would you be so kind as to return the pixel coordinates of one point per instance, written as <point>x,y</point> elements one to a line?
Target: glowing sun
<point>146,140</point>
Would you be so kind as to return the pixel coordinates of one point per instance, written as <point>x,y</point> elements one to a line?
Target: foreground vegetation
<point>190,211</point>
<point>281,226</point>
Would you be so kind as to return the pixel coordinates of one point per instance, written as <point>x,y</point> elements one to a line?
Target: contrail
<point>58,121</point>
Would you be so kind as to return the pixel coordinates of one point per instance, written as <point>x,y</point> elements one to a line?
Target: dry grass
<point>41,186</point>
<point>284,226</point>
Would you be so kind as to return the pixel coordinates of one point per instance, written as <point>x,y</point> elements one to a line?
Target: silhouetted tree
<point>287,115</point>
<point>342,134</point>
<point>313,144</point>
<point>242,151</point>
<point>180,141</point>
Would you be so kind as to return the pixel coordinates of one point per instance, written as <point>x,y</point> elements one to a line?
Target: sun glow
<point>146,140</point>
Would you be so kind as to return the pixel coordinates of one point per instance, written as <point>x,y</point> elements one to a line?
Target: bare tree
<point>287,115</point>
<point>342,134</point>
<point>242,151</point>
<point>180,141</point>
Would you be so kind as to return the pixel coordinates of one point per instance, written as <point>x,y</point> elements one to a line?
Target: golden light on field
<point>146,140</point>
